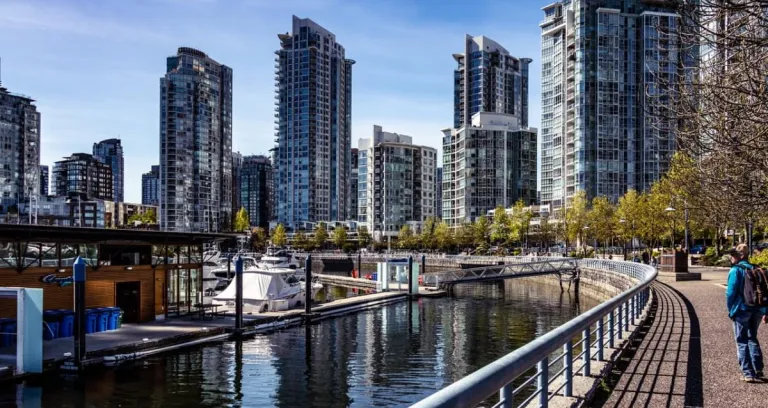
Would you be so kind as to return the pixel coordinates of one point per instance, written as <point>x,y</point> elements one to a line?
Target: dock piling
<point>239,294</point>
<point>79,277</point>
<point>308,287</point>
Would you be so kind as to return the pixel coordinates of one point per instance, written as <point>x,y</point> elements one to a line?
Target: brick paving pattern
<point>686,354</point>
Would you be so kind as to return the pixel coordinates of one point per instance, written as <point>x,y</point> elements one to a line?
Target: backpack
<point>755,287</point>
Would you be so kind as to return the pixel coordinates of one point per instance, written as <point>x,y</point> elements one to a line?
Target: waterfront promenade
<point>685,355</point>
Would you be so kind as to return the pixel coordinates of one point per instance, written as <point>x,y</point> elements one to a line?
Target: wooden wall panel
<point>100,289</point>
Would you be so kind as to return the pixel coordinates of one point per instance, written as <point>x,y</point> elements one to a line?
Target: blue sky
<point>94,66</point>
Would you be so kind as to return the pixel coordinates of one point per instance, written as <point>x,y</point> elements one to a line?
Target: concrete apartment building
<point>396,183</point>
<point>84,176</point>
<point>195,143</point>
<point>488,163</point>
<point>313,101</point>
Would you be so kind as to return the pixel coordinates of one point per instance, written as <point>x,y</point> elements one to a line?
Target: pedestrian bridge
<point>565,268</point>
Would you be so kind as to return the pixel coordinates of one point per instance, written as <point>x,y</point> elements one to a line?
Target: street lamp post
<point>586,228</point>
<point>670,210</point>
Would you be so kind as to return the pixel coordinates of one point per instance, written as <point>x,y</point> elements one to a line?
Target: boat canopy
<point>256,286</point>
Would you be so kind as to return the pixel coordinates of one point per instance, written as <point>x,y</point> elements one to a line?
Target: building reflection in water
<point>394,355</point>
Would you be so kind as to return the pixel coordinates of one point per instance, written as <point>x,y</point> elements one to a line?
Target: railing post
<point>587,349</point>
<point>611,328</point>
<point>568,368</point>
<point>600,340</point>
<point>543,383</point>
<point>633,312</point>
<point>506,395</point>
<point>620,328</point>
<point>626,316</point>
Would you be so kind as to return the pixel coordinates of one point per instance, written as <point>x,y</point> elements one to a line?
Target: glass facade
<point>488,79</point>
<point>605,127</point>
<point>353,179</point>
<point>195,143</point>
<point>150,187</point>
<point>19,149</point>
<point>110,152</point>
<point>83,175</point>
<point>313,126</point>
<point>45,179</point>
<point>254,189</point>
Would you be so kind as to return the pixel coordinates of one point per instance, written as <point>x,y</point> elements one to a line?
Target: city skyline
<point>393,85</point>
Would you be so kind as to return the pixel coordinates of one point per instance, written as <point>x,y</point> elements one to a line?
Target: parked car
<point>699,249</point>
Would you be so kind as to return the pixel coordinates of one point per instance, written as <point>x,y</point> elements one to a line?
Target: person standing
<point>746,319</point>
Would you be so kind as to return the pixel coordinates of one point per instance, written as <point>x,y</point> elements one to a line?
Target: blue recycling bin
<point>51,320</point>
<point>114,318</point>
<point>91,318</point>
<point>102,321</point>
<point>8,330</point>
<point>67,323</point>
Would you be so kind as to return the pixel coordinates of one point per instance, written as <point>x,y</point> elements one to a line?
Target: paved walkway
<point>685,355</point>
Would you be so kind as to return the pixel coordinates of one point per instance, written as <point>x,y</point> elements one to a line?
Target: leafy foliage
<point>279,237</point>
<point>320,235</point>
<point>242,220</point>
<point>363,236</point>
<point>340,236</point>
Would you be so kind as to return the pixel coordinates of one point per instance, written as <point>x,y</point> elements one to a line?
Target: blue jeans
<point>745,324</point>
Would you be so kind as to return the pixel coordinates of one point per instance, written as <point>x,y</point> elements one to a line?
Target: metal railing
<point>610,321</point>
<point>520,266</point>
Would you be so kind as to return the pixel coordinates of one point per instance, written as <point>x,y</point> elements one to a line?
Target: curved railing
<point>555,349</point>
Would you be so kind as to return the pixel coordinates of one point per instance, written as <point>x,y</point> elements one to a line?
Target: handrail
<point>522,266</point>
<point>499,375</point>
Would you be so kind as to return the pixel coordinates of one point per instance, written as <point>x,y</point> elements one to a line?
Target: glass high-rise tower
<point>604,125</point>
<point>19,150</point>
<point>195,143</point>
<point>313,101</point>
<point>110,152</point>
<point>489,79</point>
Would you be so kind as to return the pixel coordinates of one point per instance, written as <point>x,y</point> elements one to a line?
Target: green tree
<point>654,221</point>
<point>242,221</point>
<point>149,216</point>
<point>320,235</point>
<point>627,215</point>
<point>405,238</point>
<point>465,236</point>
<point>500,227</point>
<point>576,217</point>
<point>547,230</point>
<point>340,236</point>
<point>482,232</point>
<point>427,236</point>
<point>279,238</point>
<point>300,241</point>
<point>601,220</point>
<point>258,239</point>
<point>363,236</point>
<point>444,237</point>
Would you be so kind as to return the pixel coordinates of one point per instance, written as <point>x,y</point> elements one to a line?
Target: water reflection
<point>391,356</point>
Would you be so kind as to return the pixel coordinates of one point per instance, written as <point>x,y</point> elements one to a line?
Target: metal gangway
<point>522,267</point>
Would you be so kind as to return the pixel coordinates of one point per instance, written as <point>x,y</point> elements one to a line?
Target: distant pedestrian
<point>745,312</point>
<point>645,258</point>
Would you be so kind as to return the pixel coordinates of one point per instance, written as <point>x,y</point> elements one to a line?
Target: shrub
<point>760,259</point>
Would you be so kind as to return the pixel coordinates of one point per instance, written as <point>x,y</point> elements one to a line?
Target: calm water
<point>390,356</point>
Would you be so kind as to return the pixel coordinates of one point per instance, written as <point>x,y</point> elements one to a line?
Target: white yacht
<point>216,277</point>
<point>267,290</point>
<point>281,259</point>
